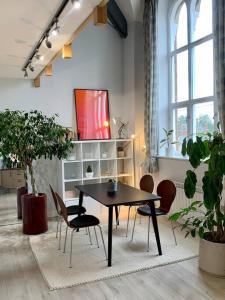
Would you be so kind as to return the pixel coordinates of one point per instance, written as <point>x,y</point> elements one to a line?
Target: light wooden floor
<point>20,278</point>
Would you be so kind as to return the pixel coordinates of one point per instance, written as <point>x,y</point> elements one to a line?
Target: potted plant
<point>89,172</point>
<point>112,186</point>
<point>35,136</point>
<point>209,222</point>
<point>168,142</point>
<point>12,125</point>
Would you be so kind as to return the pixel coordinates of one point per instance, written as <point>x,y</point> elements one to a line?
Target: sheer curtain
<point>219,51</point>
<point>151,113</point>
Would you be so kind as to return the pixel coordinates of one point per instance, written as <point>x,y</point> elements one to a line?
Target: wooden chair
<point>82,221</point>
<point>167,191</point>
<point>146,184</point>
<point>71,210</point>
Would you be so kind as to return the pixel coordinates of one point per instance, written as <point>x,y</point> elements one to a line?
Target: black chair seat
<point>146,211</point>
<point>75,210</point>
<point>84,221</point>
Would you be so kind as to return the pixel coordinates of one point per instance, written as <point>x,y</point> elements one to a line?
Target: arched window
<point>192,95</point>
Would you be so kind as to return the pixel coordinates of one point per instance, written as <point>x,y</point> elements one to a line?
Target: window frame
<point>189,104</point>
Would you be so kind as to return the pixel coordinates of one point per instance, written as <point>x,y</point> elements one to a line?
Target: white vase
<point>212,257</point>
<point>169,151</point>
<point>89,174</point>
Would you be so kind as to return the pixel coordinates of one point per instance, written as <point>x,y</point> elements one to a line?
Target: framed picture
<point>92,114</point>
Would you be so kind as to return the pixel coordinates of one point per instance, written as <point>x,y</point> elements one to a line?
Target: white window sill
<point>174,157</point>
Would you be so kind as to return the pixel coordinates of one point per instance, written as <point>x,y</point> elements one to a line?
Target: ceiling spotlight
<point>30,67</point>
<point>47,42</point>
<point>39,57</point>
<point>55,31</point>
<point>76,3</point>
<point>25,73</point>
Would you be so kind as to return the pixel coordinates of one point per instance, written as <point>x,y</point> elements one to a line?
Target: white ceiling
<point>23,23</point>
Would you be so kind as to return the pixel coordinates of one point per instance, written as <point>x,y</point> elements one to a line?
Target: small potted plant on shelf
<point>33,136</point>
<point>112,186</point>
<point>209,221</point>
<point>168,142</point>
<point>89,172</point>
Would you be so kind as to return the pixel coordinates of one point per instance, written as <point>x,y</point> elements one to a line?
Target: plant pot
<point>212,257</point>
<point>112,187</point>
<point>34,211</point>
<point>169,151</point>
<point>89,174</point>
<point>20,192</point>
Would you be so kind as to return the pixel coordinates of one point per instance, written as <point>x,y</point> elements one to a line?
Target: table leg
<point>80,203</point>
<point>117,215</point>
<point>155,226</point>
<point>110,226</point>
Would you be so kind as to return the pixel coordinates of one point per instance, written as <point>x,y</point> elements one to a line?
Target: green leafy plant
<point>89,169</point>
<point>31,136</point>
<point>209,223</point>
<point>168,139</point>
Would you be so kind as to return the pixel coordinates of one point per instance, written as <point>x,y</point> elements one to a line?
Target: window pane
<point>203,80</point>
<point>180,125</point>
<point>181,77</point>
<point>181,21</point>
<point>203,118</point>
<point>202,19</point>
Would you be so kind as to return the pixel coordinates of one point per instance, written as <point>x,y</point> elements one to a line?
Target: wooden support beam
<point>100,15</point>
<point>67,51</point>
<point>48,70</point>
<point>37,82</point>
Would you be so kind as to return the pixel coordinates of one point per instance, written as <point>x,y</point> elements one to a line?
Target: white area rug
<point>89,263</point>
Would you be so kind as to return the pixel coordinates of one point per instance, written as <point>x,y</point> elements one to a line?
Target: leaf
<point>184,147</point>
<point>190,184</point>
<point>201,232</point>
<point>174,217</point>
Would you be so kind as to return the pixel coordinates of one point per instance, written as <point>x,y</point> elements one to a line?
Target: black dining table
<point>124,195</point>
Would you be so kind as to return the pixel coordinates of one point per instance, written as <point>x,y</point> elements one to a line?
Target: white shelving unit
<point>102,156</point>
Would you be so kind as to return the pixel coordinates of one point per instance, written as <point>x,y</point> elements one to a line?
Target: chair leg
<point>100,229</point>
<point>148,233</point>
<point>96,236</point>
<point>71,248</point>
<point>89,235</point>
<point>60,233</point>
<point>128,219</point>
<point>132,236</point>
<point>64,250</point>
<point>57,226</point>
<point>173,233</point>
<point>86,230</point>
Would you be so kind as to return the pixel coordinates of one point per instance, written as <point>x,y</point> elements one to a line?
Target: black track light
<point>55,31</point>
<point>76,3</point>
<point>30,67</point>
<point>47,42</point>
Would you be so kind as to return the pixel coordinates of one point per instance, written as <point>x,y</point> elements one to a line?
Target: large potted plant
<point>36,136</point>
<point>12,125</point>
<point>207,217</point>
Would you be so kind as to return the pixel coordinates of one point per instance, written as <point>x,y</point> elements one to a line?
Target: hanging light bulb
<point>55,31</point>
<point>47,42</point>
<point>76,3</point>
<point>39,57</point>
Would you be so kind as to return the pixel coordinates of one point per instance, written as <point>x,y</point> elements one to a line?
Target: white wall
<point>97,63</point>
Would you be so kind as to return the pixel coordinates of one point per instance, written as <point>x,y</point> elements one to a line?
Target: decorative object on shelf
<point>70,134</point>
<point>168,141</point>
<point>112,186</point>
<point>72,156</point>
<point>31,136</point>
<point>122,128</point>
<point>120,152</point>
<point>92,114</point>
<point>89,172</point>
<point>104,155</point>
<point>209,224</point>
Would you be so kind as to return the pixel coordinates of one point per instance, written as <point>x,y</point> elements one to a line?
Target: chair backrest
<point>166,189</point>
<point>63,208</point>
<point>147,183</point>
<point>55,200</point>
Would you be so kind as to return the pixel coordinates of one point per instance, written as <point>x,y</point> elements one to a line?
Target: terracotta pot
<point>20,192</point>
<point>34,211</point>
<point>212,257</point>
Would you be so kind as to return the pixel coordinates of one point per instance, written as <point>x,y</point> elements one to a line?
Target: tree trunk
<point>31,171</point>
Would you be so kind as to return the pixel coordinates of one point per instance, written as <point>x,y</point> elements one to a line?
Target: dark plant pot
<point>20,192</point>
<point>34,211</point>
